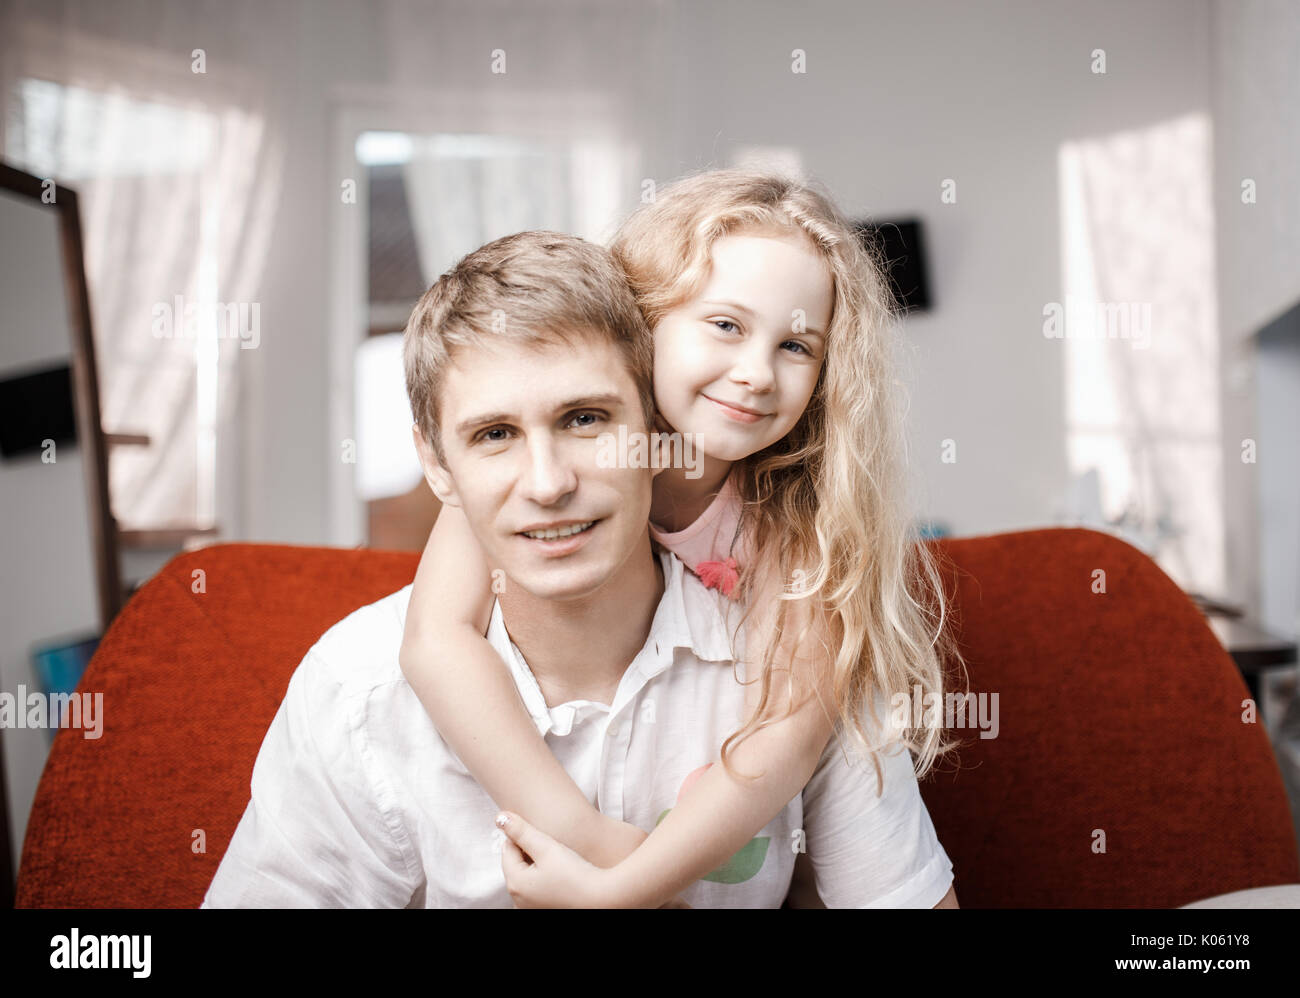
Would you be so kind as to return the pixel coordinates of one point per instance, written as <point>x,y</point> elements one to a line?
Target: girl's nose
<point>753,369</point>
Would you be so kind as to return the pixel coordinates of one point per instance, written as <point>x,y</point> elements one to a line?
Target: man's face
<point>519,435</point>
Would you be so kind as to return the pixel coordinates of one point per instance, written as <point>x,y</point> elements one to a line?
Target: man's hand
<point>542,872</point>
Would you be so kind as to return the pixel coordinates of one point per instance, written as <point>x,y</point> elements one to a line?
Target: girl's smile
<point>739,413</point>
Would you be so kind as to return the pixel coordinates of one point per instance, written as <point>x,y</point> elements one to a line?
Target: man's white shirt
<point>358,802</point>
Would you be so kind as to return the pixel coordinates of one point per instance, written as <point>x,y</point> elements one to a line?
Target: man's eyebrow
<point>612,399</point>
<point>750,312</point>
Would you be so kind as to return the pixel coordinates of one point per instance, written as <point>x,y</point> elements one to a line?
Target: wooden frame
<point>85,384</point>
<point>90,436</point>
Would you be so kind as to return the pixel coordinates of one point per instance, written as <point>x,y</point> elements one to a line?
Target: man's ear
<point>438,477</point>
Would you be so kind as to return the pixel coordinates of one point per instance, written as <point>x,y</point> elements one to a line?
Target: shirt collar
<point>688,616</point>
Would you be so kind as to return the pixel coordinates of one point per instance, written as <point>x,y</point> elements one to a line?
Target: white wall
<point>1256,72</point>
<point>901,96</point>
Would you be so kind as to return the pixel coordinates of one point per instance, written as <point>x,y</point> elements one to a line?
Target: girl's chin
<point>723,439</point>
<point>723,450</point>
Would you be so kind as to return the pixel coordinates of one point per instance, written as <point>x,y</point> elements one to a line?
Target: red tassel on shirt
<point>720,575</point>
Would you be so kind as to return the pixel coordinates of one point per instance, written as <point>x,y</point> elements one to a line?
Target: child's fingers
<point>521,833</point>
<point>512,858</point>
<point>513,865</point>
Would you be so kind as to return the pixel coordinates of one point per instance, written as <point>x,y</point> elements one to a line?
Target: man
<point>620,655</point>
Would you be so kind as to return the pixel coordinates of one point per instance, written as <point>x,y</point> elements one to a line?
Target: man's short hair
<point>529,289</point>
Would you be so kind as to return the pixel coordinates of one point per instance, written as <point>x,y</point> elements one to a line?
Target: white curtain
<point>488,154</point>
<point>1140,341</point>
<point>168,152</point>
<point>464,191</point>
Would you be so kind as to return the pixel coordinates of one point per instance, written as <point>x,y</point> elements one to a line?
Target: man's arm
<point>803,889</point>
<point>320,830</point>
<point>869,851</point>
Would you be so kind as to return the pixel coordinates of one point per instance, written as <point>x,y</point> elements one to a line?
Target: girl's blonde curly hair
<point>826,506</point>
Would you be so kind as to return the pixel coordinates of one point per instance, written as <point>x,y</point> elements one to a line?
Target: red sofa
<point>1118,712</point>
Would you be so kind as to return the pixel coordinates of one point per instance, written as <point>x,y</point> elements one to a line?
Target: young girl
<point>772,339</point>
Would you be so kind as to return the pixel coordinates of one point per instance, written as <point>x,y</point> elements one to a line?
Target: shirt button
<point>613,730</point>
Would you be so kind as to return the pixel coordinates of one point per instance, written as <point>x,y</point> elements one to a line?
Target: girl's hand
<point>557,877</point>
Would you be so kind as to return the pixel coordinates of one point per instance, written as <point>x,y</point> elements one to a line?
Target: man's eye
<point>485,438</point>
<point>594,417</point>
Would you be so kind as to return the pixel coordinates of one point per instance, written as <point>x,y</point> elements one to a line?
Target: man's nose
<point>550,475</point>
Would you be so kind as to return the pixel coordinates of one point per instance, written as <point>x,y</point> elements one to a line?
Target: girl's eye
<point>723,323</point>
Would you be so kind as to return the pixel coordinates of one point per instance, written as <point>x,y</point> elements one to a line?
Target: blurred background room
<point>1094,209</point>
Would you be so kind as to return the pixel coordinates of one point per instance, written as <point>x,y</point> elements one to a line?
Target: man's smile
<point>560,537</point>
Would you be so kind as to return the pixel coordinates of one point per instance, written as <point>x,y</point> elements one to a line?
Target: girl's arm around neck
<point>473,702</point>
<point>720,813</point>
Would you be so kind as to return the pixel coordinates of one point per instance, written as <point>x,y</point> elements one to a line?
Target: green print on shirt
<point>748,859</point>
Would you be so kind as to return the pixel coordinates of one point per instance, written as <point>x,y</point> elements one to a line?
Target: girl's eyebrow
<point>731,304</point>
<point>741,308</point>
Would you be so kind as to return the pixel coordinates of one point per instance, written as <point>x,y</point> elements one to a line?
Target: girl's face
<point>736,365</point>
